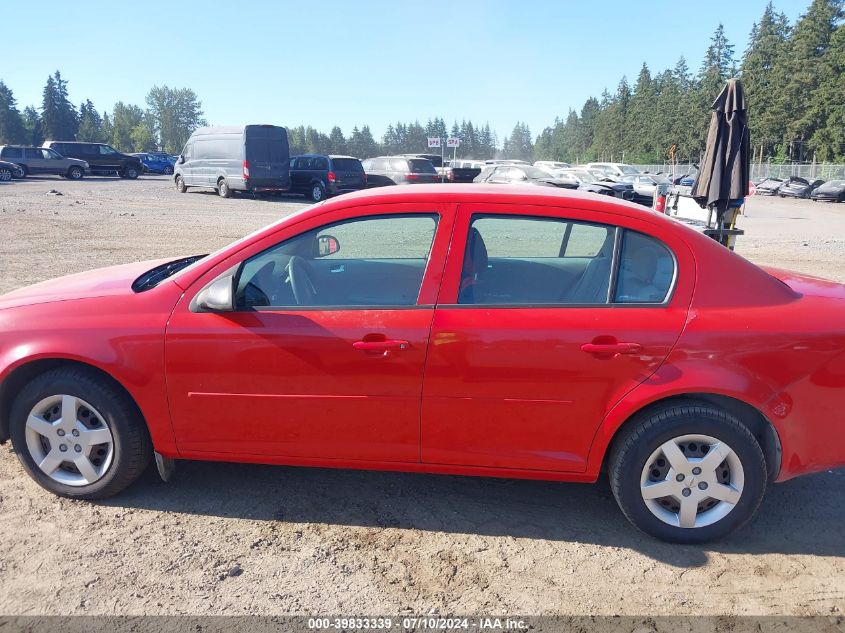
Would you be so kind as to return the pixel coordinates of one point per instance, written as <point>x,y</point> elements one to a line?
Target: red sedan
<point>460,329</point>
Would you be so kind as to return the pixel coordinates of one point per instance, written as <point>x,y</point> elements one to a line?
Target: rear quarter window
<point>11,152</point>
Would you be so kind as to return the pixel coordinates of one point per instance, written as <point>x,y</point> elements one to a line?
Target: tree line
<point>169,118</point>
<point>794,78</point>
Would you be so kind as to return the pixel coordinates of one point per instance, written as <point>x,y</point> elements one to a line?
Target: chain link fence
<point>810,171</point>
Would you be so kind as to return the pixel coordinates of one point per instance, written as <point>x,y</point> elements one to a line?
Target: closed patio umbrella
<point>723,177</point>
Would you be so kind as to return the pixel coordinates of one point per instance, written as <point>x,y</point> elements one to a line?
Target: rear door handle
<point>380,346</point>
<point>611,348</point>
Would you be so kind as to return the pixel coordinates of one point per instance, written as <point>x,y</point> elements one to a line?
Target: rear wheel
<point>688,473</point>
<point>75,173</point>
<point>223,189</point>
<point>318,192</point>
<point>180,185</point>
<point>78,436</point>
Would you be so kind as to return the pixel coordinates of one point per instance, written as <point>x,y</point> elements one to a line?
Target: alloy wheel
<point>69,440</point>
<point>692,481</point>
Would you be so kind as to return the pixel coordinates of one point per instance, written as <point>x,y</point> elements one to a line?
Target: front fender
<point>123,337</point>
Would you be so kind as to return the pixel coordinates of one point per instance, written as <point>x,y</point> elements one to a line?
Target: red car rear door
<point>546,317</point>
<point>333,374</point>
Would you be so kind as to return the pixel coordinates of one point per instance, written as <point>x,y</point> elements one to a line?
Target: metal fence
<point>810,171</point>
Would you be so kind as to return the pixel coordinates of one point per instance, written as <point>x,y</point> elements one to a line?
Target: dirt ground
<point>236,539</point>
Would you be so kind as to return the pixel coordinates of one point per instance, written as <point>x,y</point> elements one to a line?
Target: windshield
<point>534,173</point>
<point>628,170</point>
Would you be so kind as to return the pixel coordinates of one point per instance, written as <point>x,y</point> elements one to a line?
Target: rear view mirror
<point>218,296</point>
<point>327,245</point>
<point>181,159</point>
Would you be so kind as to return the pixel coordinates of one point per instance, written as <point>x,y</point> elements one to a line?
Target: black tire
<point>5,174</point>
<point>641,438</point>
<point>131,441</point>
<point>23,173</point>
<point>168,171</point>
<point>317,192</point>
<point>75,172</point>
<point>130,172</point>
<point>223,189</point>
<point>180,185</point>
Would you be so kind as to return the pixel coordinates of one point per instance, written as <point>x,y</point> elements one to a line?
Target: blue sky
<point>327,62</point>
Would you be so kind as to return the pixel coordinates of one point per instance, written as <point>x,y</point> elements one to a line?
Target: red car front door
<point>536,337</point>
<point>333,373</point>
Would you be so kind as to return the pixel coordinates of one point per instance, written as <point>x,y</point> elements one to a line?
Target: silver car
<point>35,161</point>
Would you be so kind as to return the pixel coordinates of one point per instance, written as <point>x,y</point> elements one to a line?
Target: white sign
<point>453,141</point>
<point>433,142</point>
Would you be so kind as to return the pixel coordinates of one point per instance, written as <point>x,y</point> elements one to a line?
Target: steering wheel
<point>301,283</point>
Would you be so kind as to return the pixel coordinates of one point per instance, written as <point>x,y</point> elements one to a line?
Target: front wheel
<point>131,172</point>
<point>688,473</point>
<point>77,435</point>
<point>168,171</point>
<point>5,174</point>
<point>180,185</point>
<point>75,173</point>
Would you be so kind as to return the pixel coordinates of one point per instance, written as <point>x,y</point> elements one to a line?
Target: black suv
<point>316,175</point>
<point>101,158</point>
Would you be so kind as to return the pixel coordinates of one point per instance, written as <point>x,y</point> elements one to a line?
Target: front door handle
<point>380,346</point>
<point>611,348</point>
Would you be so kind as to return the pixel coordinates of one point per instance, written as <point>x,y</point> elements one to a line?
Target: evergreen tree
<point>174,114</point>
<point>337,142</point>
<point>12,128</point>
<point>34,134</point>
<point>766,50</point>
<point>90,124</point>
<point>58,116</point>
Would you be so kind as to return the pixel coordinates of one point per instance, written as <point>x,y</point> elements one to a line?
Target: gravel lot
<point>234,539</point>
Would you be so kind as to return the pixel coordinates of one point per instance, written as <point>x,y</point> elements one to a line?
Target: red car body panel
<point>481,390</point>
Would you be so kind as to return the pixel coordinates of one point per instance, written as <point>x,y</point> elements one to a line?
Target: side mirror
<point>181,159</point>
<point>327,245</point>
<point>219,296</point>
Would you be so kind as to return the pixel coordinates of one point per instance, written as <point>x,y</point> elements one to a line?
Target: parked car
<point>597,182</point>
<point>102,159</point>
<point>831,191</point>
<point>317,176</point>
<point>551,166</point>
<point>451,171</point>
<point>462,170</point>
<point>155,163</point>
<point>616,170</point>
<point>296,345</point>
<point>9,170</point>
<point>253,158</point>
<point>522,174</point>
<point>399,170</point>
<point>768,187</point>
<point>38,160</point>
<point>644,188</point>
<point>796,187</point>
